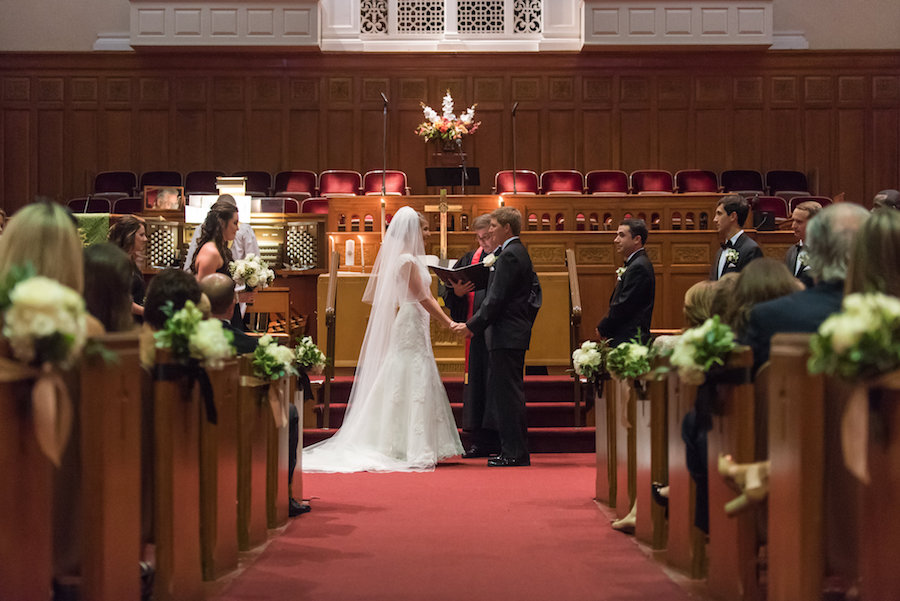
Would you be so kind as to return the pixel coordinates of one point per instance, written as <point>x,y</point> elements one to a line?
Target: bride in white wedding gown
<point>398,417</point>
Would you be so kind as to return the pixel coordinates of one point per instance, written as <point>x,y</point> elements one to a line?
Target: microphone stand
<point>384,147</point>
<point>462,157</point>
<point>515,106</point>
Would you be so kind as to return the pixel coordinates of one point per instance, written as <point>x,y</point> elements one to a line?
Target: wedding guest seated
<point>830,237</point>
<point>698,302</point>
<point>169,285</point>
<point>219,289</point>
<point>873,263</point>
<point>107,286</point>
<point>761,280</point>
<point>723,296</point>
<point>886,199</point>
<point>130,234</point>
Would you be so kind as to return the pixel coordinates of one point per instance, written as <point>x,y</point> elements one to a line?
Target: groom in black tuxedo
<point>737,248</point>
<point>631,303</point>
<point>505,318</point>
<point>796,258</point>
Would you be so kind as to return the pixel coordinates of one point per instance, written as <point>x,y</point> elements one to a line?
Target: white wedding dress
<point>399,417</point>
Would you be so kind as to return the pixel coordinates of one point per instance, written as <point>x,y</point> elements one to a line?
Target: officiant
<point>463,301</point>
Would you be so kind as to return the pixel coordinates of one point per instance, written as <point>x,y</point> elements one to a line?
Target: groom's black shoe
<point>478,451</point>
<point>502,461</point>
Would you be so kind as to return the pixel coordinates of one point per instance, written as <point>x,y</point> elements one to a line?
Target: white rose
<point>253,281</point>
<point>264,340</point>
<point>489,260</point>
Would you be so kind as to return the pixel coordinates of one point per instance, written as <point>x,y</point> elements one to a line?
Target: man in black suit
<point>631,303</point>
<point>737,248</point>
<point>463,301</point>
<point>505,317</point>
<point>797,258</point>
<point>219,289</point>
<point>829,239</point>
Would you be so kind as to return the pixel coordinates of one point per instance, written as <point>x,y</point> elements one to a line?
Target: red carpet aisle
<point>462,532</point>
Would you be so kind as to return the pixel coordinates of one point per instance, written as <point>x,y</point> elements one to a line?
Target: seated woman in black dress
<point>130,234</point>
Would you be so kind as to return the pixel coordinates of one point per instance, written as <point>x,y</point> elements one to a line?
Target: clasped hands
<point>460,329</point>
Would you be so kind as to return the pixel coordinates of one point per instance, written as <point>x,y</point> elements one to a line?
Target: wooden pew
<point>110,423</point>
<point>26,542</point>
<point>277,494</point>
<point>253,417</point>
<point>732,539</point>
<point>624,445</point>
<point>605,439</point>
<point>685,544</point>
<point>651,463</point>
<point>219,475</point>
<point>177,414</point>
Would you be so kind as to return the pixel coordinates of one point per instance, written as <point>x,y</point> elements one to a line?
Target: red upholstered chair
<point>786,181</point>
<point>651,181</point>
<point>315,205</point>
<point>258,182</point>
<point>394,183</point>
<point>85,204</point>
<point>606,181</point>
<point>743,181</point>
<point>274,204</point>
<point>297,184</point>
<point>201,182</point>
<point>770,204</point>
<point>128,205</point>
<point>526,182</point>
<point>339,182</point>
<point>562,181</point>
<point>161,178</point>
<point>822,200</point>
<point>696,180</point>
<point>118,182</point>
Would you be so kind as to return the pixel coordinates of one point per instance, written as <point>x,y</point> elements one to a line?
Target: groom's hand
<point>461,330</point>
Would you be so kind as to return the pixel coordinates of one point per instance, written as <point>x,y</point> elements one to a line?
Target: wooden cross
<point>443,208</point>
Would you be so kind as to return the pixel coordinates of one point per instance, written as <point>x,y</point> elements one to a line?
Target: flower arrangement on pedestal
<point>447,128</point>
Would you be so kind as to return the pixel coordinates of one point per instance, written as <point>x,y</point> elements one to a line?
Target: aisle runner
<point>462,532</point>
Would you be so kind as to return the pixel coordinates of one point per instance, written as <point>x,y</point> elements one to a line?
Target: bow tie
<point>725,245</point>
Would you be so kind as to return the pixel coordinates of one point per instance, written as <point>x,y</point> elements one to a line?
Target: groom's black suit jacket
<point>790,260</point>
<point>631,303</point>
<point>511,301</point>
<point>747,249</point>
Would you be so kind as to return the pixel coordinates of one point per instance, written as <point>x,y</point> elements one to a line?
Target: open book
<point>477,274</point>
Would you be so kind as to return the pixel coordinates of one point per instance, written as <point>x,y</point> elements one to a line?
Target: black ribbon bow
<point>195,373</point>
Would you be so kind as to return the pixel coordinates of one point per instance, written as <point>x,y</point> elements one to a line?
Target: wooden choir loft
<point>144,95</point>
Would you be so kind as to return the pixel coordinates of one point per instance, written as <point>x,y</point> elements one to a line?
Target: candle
<point>382,218</point>
<point>499,201</point>
<point>332,243</point>
<point>362,253</point>
<point>349,252</point>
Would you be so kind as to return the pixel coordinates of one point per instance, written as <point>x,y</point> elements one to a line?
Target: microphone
<point>515,106</point>
<point>383,97</point>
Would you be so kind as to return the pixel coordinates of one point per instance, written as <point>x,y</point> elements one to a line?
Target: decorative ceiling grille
<point>373,16</point>
<point>527,16</point>
<point>420,16</point>
<point>480,16</point>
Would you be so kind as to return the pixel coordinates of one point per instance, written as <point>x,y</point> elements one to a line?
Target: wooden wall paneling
<point>674,140</point>
<point>116,137</point>
<point>712,139</point>
<point>747,145</point>
<point>338,139</point>
<point>783,140</point>
<point>818,126</point>
<point>412,154</point>
<point>304,139</point>
<point>490,146</point>
<point>597,140</point>
<point>17,153</point>
<point>82,149</point>
<point>154,150</point>
<point>851,170</point>
<point>192,149</point>
<point>51,156</point>
<point>529,136</point>
<point>229,140</point>
<point>562,136</point>
<point>371,140</point>
<point>635,140</point>
<point>884,168</point>
<point>264,140</point>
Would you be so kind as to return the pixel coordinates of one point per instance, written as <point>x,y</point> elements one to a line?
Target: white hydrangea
<point>447,107</point>
<point>251,271</point>
<point>41,307</point>
<point>209,343</point>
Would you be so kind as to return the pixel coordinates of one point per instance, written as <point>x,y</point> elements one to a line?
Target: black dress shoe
<point>297,508</point>
<point>658,498</point>
<point>502,461</point>
<point>477,451</point>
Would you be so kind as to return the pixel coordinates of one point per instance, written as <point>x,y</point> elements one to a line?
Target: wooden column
<point>110,406</point>
<point>219,475</point>
<point>177,413</point>
<point>651,454</point>
<point>277,493</point>
<point>605,433</point>
<point>732,539</point>
<point>25,524</point>
<point>253,411</point>
<point>686,544</point>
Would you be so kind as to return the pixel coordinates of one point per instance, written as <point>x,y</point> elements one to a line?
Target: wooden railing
<point>575,330</point>
<point>331,329</point>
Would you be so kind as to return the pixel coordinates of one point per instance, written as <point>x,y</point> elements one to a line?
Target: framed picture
<point>163,198</point>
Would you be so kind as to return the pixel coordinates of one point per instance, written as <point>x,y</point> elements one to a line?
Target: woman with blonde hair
<point>698,302</point>
<point>761,280</point>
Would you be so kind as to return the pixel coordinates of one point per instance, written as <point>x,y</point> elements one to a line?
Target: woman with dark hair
<point>107,285</point>
<point>219,228</point>
<point>761,280</point>
<point>873,261</point>
<point>130,234</point>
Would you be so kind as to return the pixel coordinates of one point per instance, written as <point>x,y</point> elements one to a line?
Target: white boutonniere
<point>620,272</point>
<point>731,256</point>
<point>489,260</point>
<point>804,259</point>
